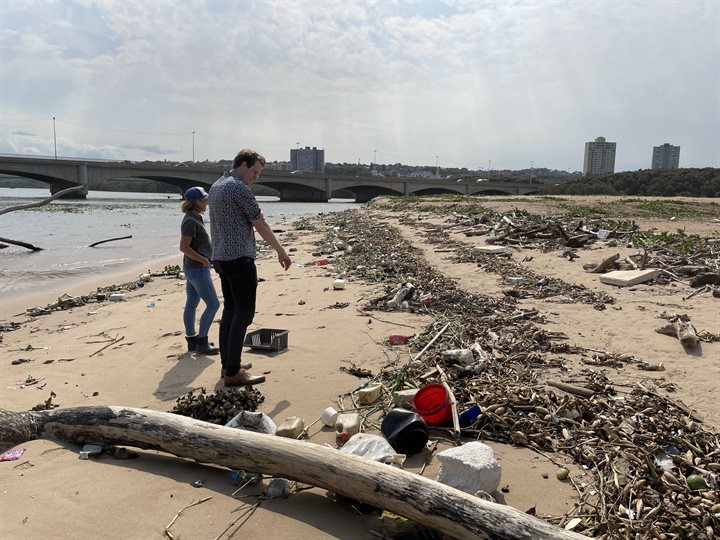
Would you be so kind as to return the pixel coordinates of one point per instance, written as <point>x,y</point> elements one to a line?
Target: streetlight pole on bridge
<point>193,146</point>
<point>55,137</point>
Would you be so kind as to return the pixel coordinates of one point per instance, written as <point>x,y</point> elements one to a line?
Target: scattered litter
<point>12,455</point>
<point>278,487</point>
<point>90,450</point>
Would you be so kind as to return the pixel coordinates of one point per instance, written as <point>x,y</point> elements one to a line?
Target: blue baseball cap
<point>195,193</point>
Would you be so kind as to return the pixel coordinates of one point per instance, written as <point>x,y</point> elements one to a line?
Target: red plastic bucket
<point>432,402</point>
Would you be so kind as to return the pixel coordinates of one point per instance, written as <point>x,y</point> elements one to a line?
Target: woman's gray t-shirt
<point>194,227</point>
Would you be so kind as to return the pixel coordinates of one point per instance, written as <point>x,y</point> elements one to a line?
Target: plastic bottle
<point>405,430</point>
<point>347,425</point>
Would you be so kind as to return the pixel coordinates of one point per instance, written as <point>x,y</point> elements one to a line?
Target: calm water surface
<point>65,229</point>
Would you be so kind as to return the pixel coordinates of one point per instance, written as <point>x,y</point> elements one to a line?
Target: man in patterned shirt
<point>234,218</point>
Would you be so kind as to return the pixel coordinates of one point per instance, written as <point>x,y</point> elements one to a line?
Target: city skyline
<point>474,85</point>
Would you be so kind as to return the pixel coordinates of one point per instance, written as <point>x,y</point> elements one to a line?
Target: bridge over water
<point>64,173</point>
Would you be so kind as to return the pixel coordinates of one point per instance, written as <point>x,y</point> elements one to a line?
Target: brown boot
<point>243,378</point>
<point>223,371</point>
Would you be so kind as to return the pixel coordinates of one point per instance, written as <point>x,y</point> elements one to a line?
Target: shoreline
<point>15,303</point>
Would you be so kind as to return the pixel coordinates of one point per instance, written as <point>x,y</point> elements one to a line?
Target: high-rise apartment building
<point>309,160</point>
<point>599,157</point>
<point>666,156</point>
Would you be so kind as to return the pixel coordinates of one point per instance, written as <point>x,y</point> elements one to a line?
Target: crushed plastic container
<point>339,284</point>
<point>118,297</point>
<point>468,416</point>
<point>291,427</point>
<point>397,339</point>
<point>369,394</point>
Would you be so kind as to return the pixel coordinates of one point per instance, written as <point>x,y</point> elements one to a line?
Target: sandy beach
<point>49,493</point>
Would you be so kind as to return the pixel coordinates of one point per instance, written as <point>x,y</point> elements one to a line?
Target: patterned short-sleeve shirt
<point>232,208</point>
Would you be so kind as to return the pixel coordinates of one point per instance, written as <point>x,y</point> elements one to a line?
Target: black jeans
<point>238,279</point>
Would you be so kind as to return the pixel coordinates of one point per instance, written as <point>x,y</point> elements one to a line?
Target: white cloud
<point>511,82</point>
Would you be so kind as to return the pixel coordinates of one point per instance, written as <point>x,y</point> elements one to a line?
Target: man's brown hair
<point>249,157</point>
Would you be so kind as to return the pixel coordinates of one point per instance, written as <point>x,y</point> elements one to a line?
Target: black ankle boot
<point>203,347</point>
<point>191,342</point>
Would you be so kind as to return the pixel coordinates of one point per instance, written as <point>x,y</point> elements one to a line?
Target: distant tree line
<point>644,182</point>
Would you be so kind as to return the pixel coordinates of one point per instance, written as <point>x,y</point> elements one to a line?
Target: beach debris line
<point>445,509</point>
<point>611,433</point>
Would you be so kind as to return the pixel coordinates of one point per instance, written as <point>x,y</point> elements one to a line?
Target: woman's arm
<point>190,252</point>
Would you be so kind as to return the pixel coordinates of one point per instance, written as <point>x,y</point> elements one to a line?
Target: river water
<point>65,229</point>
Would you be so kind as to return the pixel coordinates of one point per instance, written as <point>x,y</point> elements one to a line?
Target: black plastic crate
<point>267,339</point>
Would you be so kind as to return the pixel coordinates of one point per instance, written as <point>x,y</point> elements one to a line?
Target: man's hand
<point>284,259</point>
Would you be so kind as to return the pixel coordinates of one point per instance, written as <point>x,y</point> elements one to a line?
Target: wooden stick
<point>446,509</point>
<point>453,403</point>
<point>570,389</point>
<point>110,240</point>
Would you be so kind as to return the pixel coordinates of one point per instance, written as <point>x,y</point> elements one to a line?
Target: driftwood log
<point>415,497</point>
<point>682,329</point>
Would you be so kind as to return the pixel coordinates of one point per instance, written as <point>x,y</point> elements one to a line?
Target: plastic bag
<point>372,447</point>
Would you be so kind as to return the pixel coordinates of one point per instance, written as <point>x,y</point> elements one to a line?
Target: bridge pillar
<point>302,195</point>
<point>328,189</point>
<point>82,175</point>
<point>406,188</point>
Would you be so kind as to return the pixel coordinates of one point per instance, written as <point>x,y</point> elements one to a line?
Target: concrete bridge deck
<point>63,173</point>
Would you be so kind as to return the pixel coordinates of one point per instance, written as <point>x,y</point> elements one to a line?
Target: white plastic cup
<point>329,417</point>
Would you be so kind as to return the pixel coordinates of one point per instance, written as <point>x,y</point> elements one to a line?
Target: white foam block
<point>626,278</point>
<point>469,468</point>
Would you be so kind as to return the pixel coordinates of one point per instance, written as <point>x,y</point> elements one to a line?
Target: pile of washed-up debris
<point>654,465</point>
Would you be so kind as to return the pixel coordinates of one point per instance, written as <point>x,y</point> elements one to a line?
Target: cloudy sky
<point>464,84</point>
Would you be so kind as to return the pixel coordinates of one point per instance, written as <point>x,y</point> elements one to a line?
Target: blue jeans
<point>199,285</point>
<point>239,287</point>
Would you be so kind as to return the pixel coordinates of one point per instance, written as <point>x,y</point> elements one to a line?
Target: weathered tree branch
<point>21,244</point>
<point>420,499</point>
<point>110,240</point>
<point>35,205</point>
<point>43,202</point>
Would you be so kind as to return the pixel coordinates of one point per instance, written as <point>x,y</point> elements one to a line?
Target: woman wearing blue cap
<point>196,247</point>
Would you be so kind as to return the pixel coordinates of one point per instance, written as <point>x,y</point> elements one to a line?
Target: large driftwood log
<point>420,499</point>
